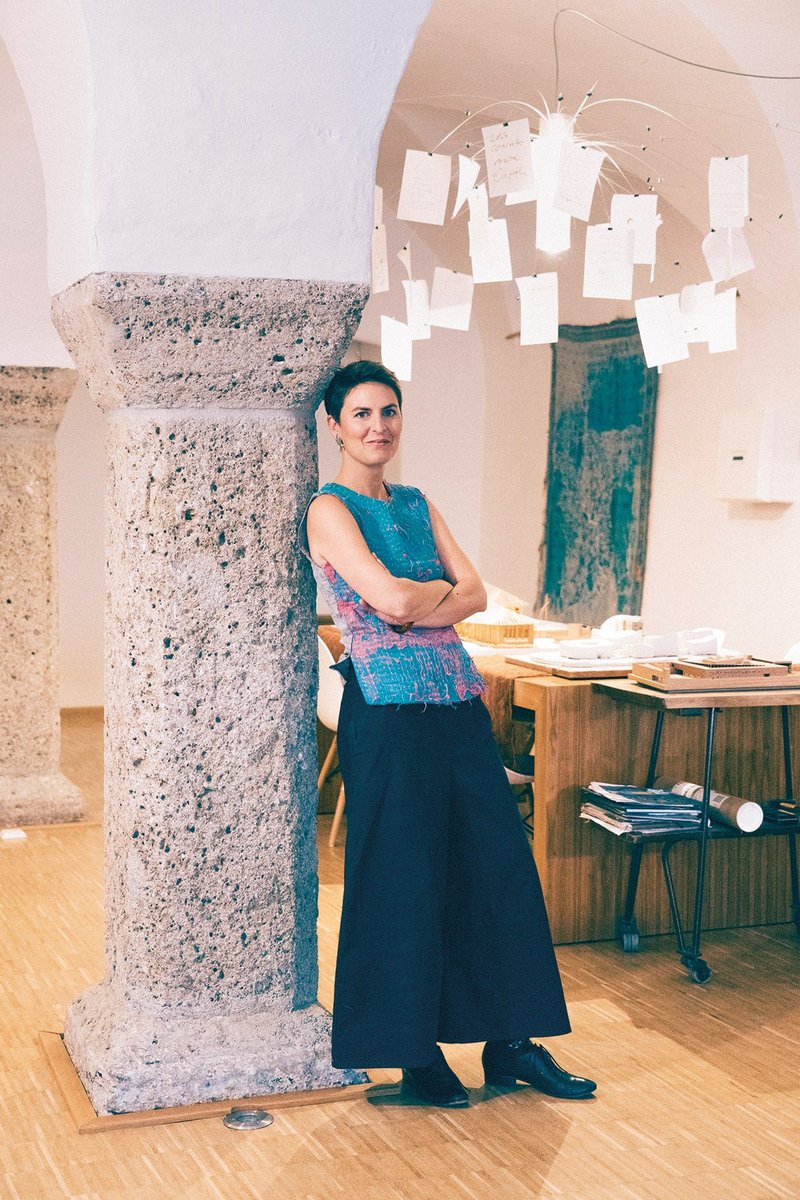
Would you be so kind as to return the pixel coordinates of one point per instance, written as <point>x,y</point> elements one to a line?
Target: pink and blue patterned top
<point>424,665</point>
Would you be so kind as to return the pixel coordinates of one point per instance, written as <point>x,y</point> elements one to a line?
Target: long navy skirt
<point>444,934</point>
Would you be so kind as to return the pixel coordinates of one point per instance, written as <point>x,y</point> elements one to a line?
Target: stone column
<point>32,789</point>
<point>210,387</point>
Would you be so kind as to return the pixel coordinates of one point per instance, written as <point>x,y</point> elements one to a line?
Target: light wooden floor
<point>699,1087</point>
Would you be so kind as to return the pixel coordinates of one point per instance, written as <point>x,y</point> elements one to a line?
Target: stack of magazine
<point>622,808</point>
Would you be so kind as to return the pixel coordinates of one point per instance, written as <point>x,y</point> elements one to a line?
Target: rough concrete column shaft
<point>32,789</point>
<point>210,387</point>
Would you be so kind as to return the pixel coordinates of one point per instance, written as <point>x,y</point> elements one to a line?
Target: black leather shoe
<point>436,1084</point>
<point>504,1063</point>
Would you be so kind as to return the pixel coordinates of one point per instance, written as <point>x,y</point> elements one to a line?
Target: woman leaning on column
<point>444,935</point>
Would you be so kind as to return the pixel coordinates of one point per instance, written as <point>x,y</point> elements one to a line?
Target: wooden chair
<point>329,700</point>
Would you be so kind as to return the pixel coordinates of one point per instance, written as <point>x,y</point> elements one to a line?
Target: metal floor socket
<point>248,1118</point>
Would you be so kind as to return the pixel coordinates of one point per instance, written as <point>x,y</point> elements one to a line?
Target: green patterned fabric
<point>602,418</point>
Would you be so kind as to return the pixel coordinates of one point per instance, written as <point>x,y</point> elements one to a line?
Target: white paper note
<point>640,213</point>
<point>404,255</point>
<point>489,251</point>
<point>608,264</point>
<point>538,300</point>
<point>696,303</point>
<point>524,195</point>
<point>660,328</point>
<point>728,203</point>
<point>468,172</point>
<point>423,192</point>
<point>417,309</point>
<point>396,347</point>
<point>380,261</point>
<point>451,299</point>
<point>508,156</point>
<point>552,228</point>
<point>722,324</point>
<point>478,202</point>
<point>578,171</point>
<point>377,214</point>
<point>727,254</point>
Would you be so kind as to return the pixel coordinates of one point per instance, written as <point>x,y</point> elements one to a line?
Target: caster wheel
<point>700,972</point>
<point>629,936</point>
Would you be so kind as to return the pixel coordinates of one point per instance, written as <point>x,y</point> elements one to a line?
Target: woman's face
<point>370,424</point>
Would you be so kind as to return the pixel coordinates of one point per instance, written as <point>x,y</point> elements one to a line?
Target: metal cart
<point>695,704</point>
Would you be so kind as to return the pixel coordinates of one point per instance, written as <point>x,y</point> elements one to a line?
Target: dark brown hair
<point>346,378</point>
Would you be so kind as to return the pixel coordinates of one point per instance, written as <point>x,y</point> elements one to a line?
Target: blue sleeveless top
<point>421,666</point>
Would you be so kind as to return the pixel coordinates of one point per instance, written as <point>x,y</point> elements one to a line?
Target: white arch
<point>48,45</point>
<point>27,336</point>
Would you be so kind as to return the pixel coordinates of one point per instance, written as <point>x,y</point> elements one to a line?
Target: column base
<point>133,1061</point>
<point>39,800</point>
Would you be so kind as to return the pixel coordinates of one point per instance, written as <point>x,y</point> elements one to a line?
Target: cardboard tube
<point>745,815</point>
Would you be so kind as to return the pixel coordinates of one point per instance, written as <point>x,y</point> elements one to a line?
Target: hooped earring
<point>339,442</point>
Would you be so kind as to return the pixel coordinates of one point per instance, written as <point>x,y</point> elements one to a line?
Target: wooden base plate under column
<point>87,1120</point>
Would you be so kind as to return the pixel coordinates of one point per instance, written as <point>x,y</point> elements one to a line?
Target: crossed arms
<point>334,537</point>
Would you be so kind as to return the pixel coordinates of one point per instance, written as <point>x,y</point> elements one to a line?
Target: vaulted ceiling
<point>470,53</point>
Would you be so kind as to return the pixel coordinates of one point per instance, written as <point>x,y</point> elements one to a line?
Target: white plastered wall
<point>241,145</point>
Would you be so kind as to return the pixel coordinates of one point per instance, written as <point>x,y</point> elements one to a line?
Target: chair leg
<point>326,766</point>
<point>337,818</point>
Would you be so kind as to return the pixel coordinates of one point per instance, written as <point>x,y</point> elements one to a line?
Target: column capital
<point>34,397</point>
<point>186,341</point>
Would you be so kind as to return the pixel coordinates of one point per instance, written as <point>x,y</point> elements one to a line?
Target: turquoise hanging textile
<point>602,418</point>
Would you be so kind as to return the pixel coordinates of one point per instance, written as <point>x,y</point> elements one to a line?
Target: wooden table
<point>584,733</point>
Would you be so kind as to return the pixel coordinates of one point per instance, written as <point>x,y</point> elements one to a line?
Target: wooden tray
<point>719,668</point>
<point>671,677</point>
<point>563,672</point>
